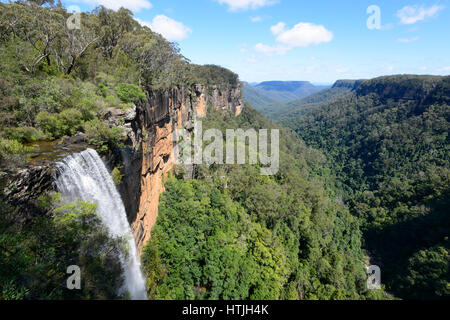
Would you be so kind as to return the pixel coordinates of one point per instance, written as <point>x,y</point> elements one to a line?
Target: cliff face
<point>425,90</point>
<point>150,156</point>
<point>349,84</point>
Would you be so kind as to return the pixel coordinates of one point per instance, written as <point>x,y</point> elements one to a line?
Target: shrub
<point>129,93</point>
<point>117,175</point>
<point>103,137</point>
<point>86,107</point>
<point>12,151</point>
<point>68,122</point>
<point>24,134</point>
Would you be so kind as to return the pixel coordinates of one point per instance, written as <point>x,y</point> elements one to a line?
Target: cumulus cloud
<point>133,5</point>
<point>408,40</point>
<point>413,14</point>
<point>235,5</point>
<point>302,34</point>
<point>170,29</point>
<point>278,28</point>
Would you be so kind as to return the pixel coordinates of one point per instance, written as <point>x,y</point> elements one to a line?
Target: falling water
<point>84,176</point>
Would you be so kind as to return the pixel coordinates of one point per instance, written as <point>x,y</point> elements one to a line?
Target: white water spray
<point>84,176</point>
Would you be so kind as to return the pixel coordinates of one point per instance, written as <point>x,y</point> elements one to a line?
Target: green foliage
<point>24,134</point>
<point>117,175</point>
<point>12,152</point>
<point>130,93</point>
<point>103,137</point>
<point>213,75</point>
<point>56,125</point>
<point>34,257</point>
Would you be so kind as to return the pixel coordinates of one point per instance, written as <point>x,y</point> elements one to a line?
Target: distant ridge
<point>300,106</point>
<point>272,92</point>
<point>350,84</point>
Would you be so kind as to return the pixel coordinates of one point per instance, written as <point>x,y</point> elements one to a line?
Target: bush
<point>12,151</point>
<point>66,123</point>
<point>129,93</point>
<point>24,134</point>
<point>117,175</point>
<point>103,137</point>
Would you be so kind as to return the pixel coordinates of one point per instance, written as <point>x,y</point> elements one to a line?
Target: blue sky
<point>316,40</point>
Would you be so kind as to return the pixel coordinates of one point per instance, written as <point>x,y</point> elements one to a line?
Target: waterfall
<point>84,176</point>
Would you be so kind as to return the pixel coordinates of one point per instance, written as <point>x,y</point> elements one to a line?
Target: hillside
<point>256,96</point>
<point>387,144</point>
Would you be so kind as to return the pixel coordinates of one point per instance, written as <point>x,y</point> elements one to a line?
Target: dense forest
<point>231,233</point>
<point>387,145</point>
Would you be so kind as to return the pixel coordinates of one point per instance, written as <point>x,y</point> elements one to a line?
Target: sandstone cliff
<point>149,156</point>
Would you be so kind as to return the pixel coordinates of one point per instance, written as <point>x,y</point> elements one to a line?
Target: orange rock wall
<point>152,147</point>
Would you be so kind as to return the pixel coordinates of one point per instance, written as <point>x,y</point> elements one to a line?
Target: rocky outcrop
<point>23,189</point>
<point>23,186</point>
<point>149,155</point>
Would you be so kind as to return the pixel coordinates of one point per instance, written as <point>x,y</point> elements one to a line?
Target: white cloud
<point>271,50</point>
<point>256,19</point>
<point>235,5</point>
<point>304,34</point>
<point>413,14</point>
<point>278,28</point>
<point>133,5</point>
<point>408,40</point>
<point>170,29</point>
<point>446,69</point>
